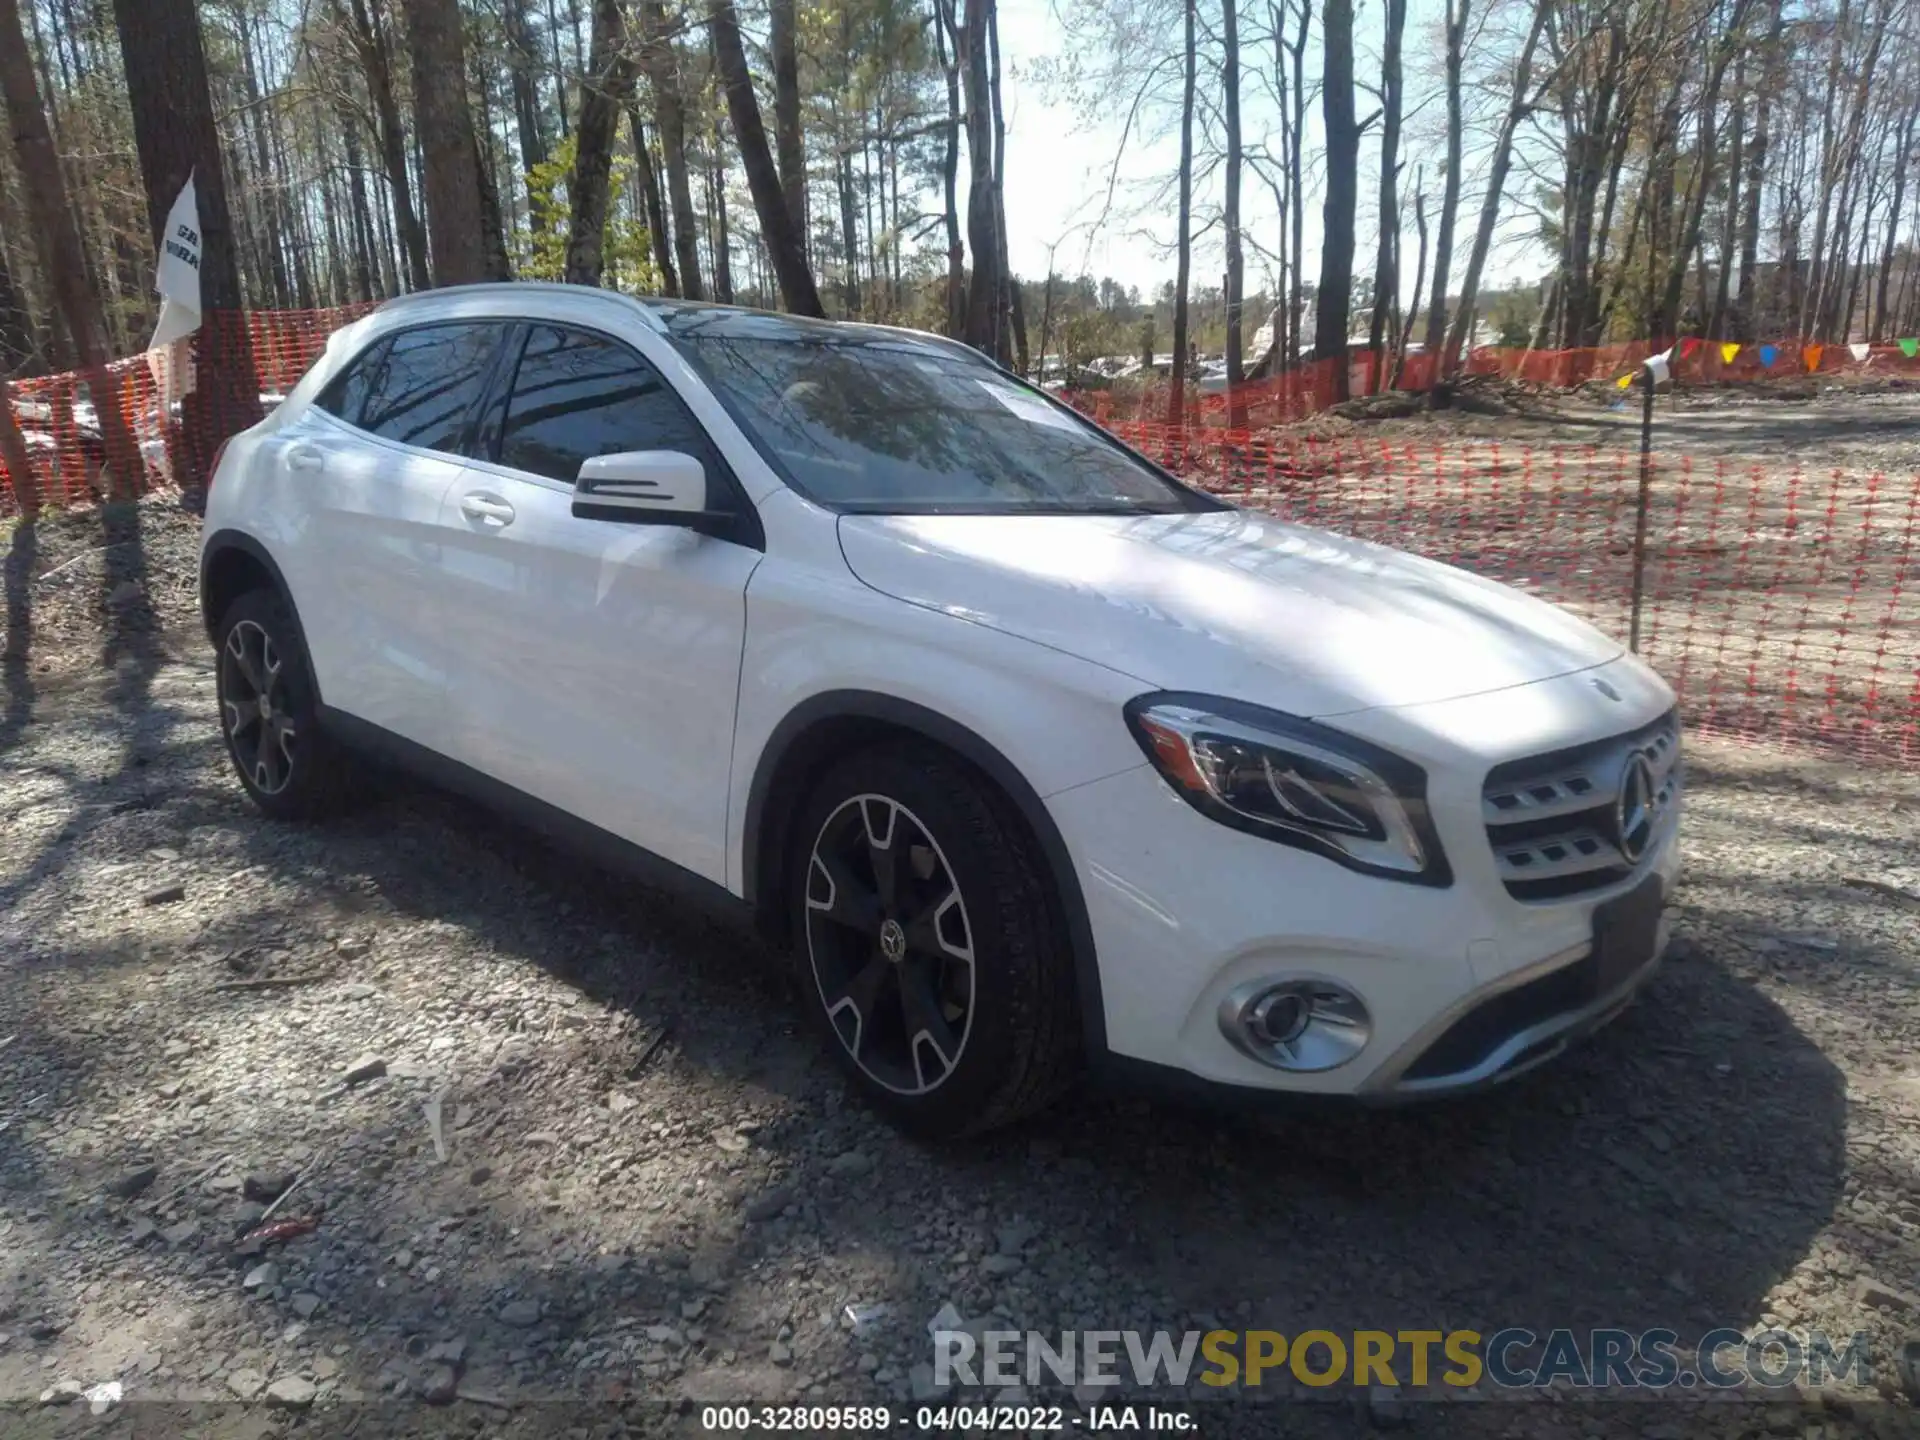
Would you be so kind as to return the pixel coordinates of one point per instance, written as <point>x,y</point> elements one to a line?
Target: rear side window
<point>346,393</point>
<point>577,395</point>
<point>424,390</point>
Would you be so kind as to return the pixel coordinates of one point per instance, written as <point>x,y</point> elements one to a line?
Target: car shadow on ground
<point>1670,1172</point>
<point>1649,1158</point>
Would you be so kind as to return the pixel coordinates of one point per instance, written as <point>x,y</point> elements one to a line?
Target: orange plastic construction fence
<point>1782,601</point>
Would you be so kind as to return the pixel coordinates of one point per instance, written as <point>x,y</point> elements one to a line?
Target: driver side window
<point>577,395</point>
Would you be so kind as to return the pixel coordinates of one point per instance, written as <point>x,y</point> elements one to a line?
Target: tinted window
<point>347,391</point>
<point>892,424</point>
<point>428,382</point>
<point>578,395</point>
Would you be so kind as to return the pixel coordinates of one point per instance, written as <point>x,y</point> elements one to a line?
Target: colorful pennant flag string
<point>1910,347</point>
<point>1728,351</point>
<point>1811,355</point>
<point>1769,354</point>
<point>1860,350</point>
<point>1660,366</point>
<point>1624,381</point>
<point>1688,346</point>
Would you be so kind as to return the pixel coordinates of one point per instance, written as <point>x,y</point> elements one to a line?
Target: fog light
<point>1300,1025</point>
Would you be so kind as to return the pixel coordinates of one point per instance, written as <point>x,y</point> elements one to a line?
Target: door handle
<point>488,510</point>
<point>306,458</point>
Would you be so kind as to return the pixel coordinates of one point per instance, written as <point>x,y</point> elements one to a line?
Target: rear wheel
<point>933,957</point>
<point>268,714</point>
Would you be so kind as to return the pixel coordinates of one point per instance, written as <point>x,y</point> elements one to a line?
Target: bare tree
<point>457,225</point>
<point>1519,106</point>
<point>1332,304</point>
<point>1450,187</point>
<point>789,143</point>
<point>62,259</point>
<point>376,58</point>
<point>783,244</point>
<point>1230,90</point>
<point>604,91</point>
<point>1386,265</point>
<point>1177,396</point>
<point>173,127</point>
<point>660,58</point>
<point>985,296</point>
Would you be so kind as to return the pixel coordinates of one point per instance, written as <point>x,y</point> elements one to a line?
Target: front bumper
<point>1464,986</point>
<point>1507,1029</point>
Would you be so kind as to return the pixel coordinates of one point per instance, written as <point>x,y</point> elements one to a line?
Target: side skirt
<point>600,847</point>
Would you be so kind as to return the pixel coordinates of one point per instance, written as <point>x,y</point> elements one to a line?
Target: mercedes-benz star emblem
<point>1635,811</point>
<point>893,940</point>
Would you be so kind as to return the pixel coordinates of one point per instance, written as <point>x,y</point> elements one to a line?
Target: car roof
<point>663,314</point>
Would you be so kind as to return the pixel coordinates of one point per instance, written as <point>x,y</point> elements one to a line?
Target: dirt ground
<point>595,1157</point>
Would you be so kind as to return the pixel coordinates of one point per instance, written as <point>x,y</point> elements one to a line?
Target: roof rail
<point>521,287</point>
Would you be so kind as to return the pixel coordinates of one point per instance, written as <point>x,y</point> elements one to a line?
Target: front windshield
<point>893,425</point>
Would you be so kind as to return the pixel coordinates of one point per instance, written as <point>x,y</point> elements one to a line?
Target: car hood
<point>1228,602</point>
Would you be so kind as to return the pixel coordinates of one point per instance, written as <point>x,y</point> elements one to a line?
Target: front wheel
<point>933,955</point>
<point>268,714</point>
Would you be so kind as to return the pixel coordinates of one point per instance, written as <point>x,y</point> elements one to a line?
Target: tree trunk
<point>526,95</point>
<point>1013,317</point>
<point>789,143</point>
<point>722,237</point>
<point>1518,106</point>
<point>1450,190</point>
<point>18,462</point>
<point>1903,147</point>
<point>376,58</point>
<point>19,351</point>
<point>174,130</point>
<point>1419,275</point>
<point>1236,264</point>
<point>946,36</point>
<point>849,234</point>
<point>1749,295</point>
<point>1177,387</point>
<point>1716,317</point>
<point>63,261</point>
<point>797,290</point>
<point>456,225</point>
<point>983,328</point>
<point>604,90</point>
<point>1386,264</point>
<point>1667,319</point>
<point>366,246</point>
<point>1297,205</point>
<point>656,208</point>
<point>662,65</point>
<point>1332,304</point>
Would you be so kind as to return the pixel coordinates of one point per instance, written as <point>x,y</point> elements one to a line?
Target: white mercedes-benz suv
<point>1040,762</point>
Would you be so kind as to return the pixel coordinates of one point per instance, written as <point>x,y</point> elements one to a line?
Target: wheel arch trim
<point>765,836</point>
<point>228,542</point>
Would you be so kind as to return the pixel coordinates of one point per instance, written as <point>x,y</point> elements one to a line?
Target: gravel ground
<point>564,1139</point>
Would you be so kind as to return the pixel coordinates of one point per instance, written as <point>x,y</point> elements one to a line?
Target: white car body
<point>649,683</point>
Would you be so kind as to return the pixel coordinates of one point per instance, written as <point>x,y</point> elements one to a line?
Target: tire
<point>946,992</point>
<point>288,767</point>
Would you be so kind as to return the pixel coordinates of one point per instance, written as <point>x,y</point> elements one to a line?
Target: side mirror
<point>642,487</point>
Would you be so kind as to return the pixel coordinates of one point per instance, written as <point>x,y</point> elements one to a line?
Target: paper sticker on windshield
<point>1029,408</point>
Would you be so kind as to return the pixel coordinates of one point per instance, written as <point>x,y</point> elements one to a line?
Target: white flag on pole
<point>177,282</point>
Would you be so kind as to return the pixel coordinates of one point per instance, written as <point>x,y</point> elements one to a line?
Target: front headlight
<point>1294,781</point>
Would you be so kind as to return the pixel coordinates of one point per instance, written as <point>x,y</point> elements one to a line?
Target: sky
<point>1058,163</point>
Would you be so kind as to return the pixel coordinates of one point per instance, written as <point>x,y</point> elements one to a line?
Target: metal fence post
<point>1640,509</point>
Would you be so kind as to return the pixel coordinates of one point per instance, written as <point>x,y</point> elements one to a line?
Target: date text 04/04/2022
<point>934,1419</point>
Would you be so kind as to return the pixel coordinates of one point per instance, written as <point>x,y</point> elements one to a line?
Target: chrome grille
<point>1554,820</point>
